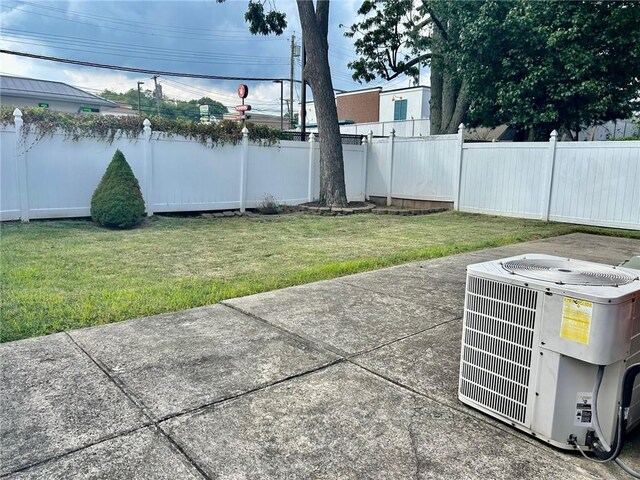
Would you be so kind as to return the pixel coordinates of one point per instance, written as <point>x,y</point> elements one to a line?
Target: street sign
<point>243,108</point>
<point>43,105</point>
<point>243,91</point>
<point>243,117</point>
<point>204,110</point>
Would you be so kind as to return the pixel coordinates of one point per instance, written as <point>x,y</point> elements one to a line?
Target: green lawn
<point>65,274</point>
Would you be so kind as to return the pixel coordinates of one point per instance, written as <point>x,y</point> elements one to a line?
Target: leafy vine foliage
<point>107,128</point>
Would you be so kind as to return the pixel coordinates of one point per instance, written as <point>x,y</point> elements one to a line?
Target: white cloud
<point>169,27</point>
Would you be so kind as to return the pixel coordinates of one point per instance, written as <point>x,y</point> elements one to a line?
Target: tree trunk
<point>435,108</point>
<point>449,97</point>
<point>460,111</point>
<point>315,23</point>
<point>449,103</point>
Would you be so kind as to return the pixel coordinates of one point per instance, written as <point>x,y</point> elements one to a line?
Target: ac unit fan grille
<point>569,272</point>
<point>497,346</point>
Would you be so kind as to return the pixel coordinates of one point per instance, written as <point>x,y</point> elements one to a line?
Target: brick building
<point>359,106</point>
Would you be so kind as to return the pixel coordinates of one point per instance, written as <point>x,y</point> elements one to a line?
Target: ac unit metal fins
<point>497,346</point>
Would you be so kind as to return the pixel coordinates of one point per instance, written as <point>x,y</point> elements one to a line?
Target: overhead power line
<point>115,47</point>
<point>222,36</point>
<point>140,70</point>
<point>124,22</point>
<point>152,56</point>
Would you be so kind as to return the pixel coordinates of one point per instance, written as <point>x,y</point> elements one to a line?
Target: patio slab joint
<point>74,450</point>
<point>231,398</point>
<point>141,406</point>
<point>113,378</point>
<point>311,342</point>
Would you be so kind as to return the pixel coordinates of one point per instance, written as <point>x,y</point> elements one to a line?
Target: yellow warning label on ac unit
<point>576,320</point>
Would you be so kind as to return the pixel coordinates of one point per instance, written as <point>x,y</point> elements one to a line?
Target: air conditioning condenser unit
<point>537,331</point>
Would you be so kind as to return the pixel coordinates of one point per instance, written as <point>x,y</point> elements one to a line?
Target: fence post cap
<point>554,135</point>
<point>364,140</point>
<point>370,133</point>
<point>146,123</point>
<point>461,127</point>
<point>392,133</point>
<point>245,132</point>
<point>17,112</point>
<point>312,137</point>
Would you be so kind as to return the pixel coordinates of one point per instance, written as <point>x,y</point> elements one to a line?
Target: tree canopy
<point>169,108</point>
<point>537,66</point>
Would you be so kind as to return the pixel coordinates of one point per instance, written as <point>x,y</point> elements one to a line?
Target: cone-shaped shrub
<point>118,202</point>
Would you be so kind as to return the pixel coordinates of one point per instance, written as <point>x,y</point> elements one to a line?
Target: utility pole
<point>282,115</point>
<point>302,119</point>
<point>281,102</point>
<point>293,51</point>
<point>139,83</point>
<point>156,93</point>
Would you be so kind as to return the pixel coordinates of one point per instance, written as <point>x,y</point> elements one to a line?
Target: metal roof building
<point>30,92</point>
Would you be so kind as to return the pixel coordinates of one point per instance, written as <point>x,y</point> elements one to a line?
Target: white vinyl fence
<point>55,177</point>
<point>593,183</point>
<point>420,168</point>
<point>402,128</point>
<point>504,179</point>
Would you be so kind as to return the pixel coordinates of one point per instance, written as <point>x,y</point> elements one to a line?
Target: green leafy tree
<point>533,65</point>
<point>147,101</point>
<point>169,108</point>
<point>397,37</point>
<point>314,20</point>
<point>117,201</point>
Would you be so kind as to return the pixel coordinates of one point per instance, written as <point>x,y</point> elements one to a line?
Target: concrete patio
<point>354,378</point>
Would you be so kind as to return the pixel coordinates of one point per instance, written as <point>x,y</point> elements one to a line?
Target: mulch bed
<point>407,211</point>
<point>315,208</point>
<point>351,208</point>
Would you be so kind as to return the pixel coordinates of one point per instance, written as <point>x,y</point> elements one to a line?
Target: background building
<point>359,106</point>
<point>405,110</point>
<point>411,103</point>
<point>30,92</point>
<point>272,121</point>
<point>123,109</point>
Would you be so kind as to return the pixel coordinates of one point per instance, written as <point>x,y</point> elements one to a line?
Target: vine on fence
<point>44,122</point>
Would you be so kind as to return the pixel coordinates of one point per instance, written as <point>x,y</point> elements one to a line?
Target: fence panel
<point>597,183</point>
<point>424,168</point>
<point>504,178</point>
<point>189,176</point>
<point>354,172</point>
<point>63,174</point>
<point>403,128</point>
<point>9,190</point>
<point>280,171</point>
<point>377,165</point>
<point>364,128</point>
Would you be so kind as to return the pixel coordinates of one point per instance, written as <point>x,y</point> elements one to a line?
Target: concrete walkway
<point>354,378</point>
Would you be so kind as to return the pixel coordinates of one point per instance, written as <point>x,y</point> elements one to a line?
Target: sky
<point>200,36</point>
